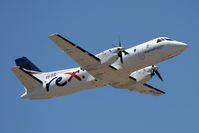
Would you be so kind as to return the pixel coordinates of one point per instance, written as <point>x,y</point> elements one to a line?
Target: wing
<point>148,89</point>
<point>85,59</point>
<point>131,84</point>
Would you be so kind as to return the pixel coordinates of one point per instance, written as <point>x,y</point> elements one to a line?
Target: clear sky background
<point>95,26</point>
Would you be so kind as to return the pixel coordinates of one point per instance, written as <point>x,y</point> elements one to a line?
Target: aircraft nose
<point>183,46</point>
<point>180,46</point>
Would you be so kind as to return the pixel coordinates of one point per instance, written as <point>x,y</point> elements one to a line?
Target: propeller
<point>120,50</point>
<point>155,71</point>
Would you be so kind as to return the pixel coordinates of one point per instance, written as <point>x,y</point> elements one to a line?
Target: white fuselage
<point>72,80</point>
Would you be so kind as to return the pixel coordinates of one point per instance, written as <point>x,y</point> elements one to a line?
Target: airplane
<point>118,67</point>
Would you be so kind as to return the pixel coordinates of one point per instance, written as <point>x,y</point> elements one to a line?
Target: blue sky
<point>95,26</point>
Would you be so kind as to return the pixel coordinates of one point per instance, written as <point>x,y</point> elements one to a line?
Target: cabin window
<point>81,69</point>
<point>134,50</point>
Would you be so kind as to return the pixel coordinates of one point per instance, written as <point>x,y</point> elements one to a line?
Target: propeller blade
<point>120,45</point>
<point>126,53</point>
<point>158,74</point>
<point>120,56</point>
<point>152,73</point>
<point>121,59</point>
<point>121,50</point>
<point>155,71</point>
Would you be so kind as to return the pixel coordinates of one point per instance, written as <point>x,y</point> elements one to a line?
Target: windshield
<point>163,39</point>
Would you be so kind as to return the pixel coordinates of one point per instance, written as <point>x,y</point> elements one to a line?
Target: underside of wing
<point>148,89</point>
<point>85,59</point>
<point>132,85</point>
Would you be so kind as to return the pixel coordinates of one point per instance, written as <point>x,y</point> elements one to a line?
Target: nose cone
<point>180,46</point>
<point>183,46</point>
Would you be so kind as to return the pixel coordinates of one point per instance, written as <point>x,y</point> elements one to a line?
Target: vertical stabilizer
<point>24,62</point>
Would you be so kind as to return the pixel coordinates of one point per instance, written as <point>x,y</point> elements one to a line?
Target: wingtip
<point>13,69</point>
<point>161,93</point>
<point>54,34</point>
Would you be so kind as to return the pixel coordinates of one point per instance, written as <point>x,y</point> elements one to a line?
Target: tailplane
<point>29,74</point>
<point>27,79</point>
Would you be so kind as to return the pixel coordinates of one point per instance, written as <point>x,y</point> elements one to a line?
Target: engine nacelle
<point>143,75</point>
<point>109,56</point>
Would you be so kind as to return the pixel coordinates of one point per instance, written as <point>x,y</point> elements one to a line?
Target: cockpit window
<point>168,39</point>
<point>163,39</point>
<point>159,40</point>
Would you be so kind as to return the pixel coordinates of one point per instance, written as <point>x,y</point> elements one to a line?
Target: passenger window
<point>134,50</point>
<point>81,69</point>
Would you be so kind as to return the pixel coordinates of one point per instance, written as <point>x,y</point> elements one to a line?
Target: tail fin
<point>23,62</point>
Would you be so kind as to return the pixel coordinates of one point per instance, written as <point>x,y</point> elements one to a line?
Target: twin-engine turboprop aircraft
<point>121,68</point>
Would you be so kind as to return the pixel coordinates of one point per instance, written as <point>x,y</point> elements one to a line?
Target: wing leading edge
<point>85,59</point>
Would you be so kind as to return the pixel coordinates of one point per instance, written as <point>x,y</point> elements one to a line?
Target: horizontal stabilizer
<point>27,79</point>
